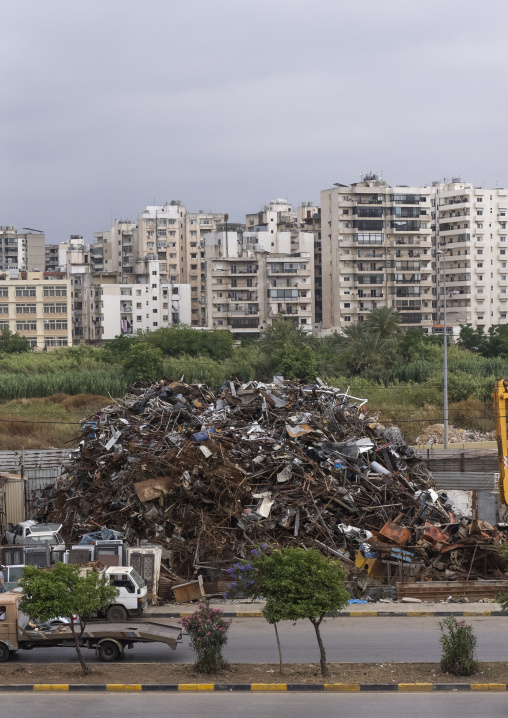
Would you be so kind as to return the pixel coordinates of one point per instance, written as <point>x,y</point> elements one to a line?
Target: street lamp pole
<point>445,381</point>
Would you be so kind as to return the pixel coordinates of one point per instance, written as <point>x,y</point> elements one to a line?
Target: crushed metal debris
<point>210,477</point>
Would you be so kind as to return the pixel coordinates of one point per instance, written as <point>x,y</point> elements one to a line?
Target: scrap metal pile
<point>210,477</point>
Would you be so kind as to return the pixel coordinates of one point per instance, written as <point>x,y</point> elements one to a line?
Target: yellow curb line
<point>488,686</point>
<point>123,686</point>
<point>252,614</point>
<point>195,686</point>
<point>363,614</point>
<point>407,687</point>
<point>342,687</point>
<point>412,614</point>
<point>51,687</point>
<point>476,613</point>
<point>268,686</point>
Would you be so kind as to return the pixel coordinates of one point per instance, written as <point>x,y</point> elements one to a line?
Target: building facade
<point>36,308</point>
<point>22,251</point>
<point>249,284</point>
<point>146,304</point>
<point>471,227</point>
<point>377,244</point>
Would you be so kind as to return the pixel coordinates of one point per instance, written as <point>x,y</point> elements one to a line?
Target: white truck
<point>132,593</point>
<point>130,601</point>
<point>30,533</point>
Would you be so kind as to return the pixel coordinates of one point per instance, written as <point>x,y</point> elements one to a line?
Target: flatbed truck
<point>108,639</point>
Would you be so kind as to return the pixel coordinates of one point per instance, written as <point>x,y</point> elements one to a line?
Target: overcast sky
<point>108,105</point>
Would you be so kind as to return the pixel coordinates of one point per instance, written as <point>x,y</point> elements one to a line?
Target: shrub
<point>459,647</point>
<point>207,629</point>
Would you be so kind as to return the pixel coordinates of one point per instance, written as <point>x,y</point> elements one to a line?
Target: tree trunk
<point>84,667</point>
<point>278,646</point>
<point>322,652</point>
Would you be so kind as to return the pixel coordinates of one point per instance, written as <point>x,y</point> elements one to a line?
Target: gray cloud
<point>106,106</point>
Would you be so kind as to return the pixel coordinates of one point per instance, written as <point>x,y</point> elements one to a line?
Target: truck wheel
<point>109,651</point>
<point>4,653</point>
<point>116,614</point>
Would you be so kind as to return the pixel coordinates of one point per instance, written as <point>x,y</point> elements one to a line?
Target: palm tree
<point>384,322</point>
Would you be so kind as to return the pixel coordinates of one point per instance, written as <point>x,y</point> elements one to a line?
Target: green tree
<point>296,584</point>
<point>472,339</point>
<point>62,591</point>
<point>13,343</point>
<point>120,346</point>
<point>281,333</point>
<point>383,321</point>
<point>296,362</point>
<point>143,362</point>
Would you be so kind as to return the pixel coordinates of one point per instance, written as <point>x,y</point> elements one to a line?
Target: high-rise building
<point>176,238</point>
<point>259,272</point>
<point>472,233</point>
<point>377,244</point>
<point>22,251</point>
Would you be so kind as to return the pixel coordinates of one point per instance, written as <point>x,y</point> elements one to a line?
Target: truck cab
<point>30,533</point>
<point>132,593</point>
<point>8,623</point>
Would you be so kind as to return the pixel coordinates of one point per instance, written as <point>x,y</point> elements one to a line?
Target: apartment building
<point>176,238</point>
<point>472,239</point>
<point>253,277</point>
<point>377,244</point>
<point>114,249</point>
<point>146,304</point>
<point>36,308</point>
<point>22,251</point>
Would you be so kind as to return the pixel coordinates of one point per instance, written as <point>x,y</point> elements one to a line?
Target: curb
<point>346,614</point>
<point>254,687</point>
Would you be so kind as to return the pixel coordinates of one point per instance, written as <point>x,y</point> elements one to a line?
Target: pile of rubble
<point>434,434</point>
<point>210,477</point>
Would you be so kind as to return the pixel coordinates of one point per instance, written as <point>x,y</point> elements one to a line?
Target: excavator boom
<point>500,398</point>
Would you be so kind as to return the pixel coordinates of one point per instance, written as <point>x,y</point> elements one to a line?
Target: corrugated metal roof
<point>464,480</point>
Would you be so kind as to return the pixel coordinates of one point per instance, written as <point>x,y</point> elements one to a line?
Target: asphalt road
<point>262,705</point>
<point>360,640</point>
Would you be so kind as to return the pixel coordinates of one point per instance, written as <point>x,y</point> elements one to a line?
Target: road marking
<point>268,686</point>
<point>51,687</point>
<point>123,686</point>
<point>196,686</point>
<point>418,687</point>
<point>342,687</point>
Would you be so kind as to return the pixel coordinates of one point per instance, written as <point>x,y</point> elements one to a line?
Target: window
<point>25,291</point>
<point>55,341</point>
<point>502,239</point>
<point>346,279</point>
<point>26,326</point>
<point>56,308</point>
<point>154,272</point>
<point>138,318</point>
<point>347,319</point>
<point>347,305</point>
<point>502,251</point>
<point>54,324</point>
<point>479,265</point>
<point>154,286</point>
<point>155,324</point>
<point>4,309</point>
<point>479,251</point>
<point>26,309</point>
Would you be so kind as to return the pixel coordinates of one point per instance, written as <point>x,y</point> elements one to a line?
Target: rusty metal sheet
<point>395,533</point>
<point>151,489</point>
<point>300,430</point>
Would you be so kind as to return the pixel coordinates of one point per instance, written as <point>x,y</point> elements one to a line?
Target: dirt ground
<point>10,673</point>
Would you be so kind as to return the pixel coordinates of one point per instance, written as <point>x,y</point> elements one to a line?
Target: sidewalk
<point>248,609</point>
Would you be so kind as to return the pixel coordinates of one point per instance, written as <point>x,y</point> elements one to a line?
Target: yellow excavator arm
<point>500,398</point>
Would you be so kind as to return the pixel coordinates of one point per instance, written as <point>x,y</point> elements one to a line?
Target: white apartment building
<point>145,305</point>
<point>472,232</point>
<point>176,237</point>
<point>252,277</point>
<point>377,244</point>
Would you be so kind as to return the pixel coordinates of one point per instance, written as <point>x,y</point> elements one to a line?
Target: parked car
<point>31,533</point>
